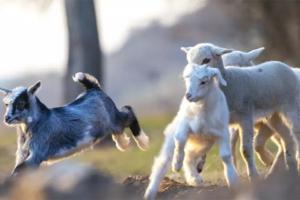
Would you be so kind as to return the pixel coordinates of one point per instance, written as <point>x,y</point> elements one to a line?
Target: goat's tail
<point>87,81</point>
<point>131,121</point>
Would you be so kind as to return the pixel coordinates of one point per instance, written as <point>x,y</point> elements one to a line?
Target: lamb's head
<point>18,102</point>
<point>240,58</point>
<point>198,80</point>
<point>205,53</point>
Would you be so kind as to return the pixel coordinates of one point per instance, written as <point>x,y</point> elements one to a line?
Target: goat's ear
<point>254,53</point>
<point>216,73</point>
<point>186,49</point>
<point>5,91</point>
<point>220,51</point>
<point>34,88</point>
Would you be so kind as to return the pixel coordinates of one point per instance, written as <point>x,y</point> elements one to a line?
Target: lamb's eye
<point>21,105</point>
<point>202,83</point>
<point>205,61</point>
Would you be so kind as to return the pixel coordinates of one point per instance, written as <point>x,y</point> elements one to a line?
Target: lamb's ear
<point>5,91</point>
<point>186,49</point>
<point>216,73</point>
<point>254,53</point>
<point>220,51</point>
<point>34,88</point>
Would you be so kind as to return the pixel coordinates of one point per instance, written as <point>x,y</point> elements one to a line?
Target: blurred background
<point>133,48</point>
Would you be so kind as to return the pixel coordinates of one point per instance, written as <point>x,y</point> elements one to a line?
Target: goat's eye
<point>21,105</point>
<point>205,61</point>
<point>202,83</point>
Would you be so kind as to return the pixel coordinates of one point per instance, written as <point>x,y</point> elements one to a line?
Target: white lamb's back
<point>297,72</point>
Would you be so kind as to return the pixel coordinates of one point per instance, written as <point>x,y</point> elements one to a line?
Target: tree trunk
<point>84,49</point>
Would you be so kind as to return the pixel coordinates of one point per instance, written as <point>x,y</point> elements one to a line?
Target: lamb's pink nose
<point>188,95</point>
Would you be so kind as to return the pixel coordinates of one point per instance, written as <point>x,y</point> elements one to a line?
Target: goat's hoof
<point>176,167</point>
<point>194,181</point>
<point>142,141</point>
<point>122,141</point>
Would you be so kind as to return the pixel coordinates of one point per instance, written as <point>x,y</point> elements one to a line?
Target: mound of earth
<point>169,188</point>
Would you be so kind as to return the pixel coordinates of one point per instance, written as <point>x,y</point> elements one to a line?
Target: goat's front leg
<point>31,163</point>
<point>225,154</point>
<point>180,137</point>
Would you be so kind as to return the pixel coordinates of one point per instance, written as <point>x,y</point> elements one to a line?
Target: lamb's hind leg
<point>225,154</point>
<point>234,136</point>
<point>260,141</point>
<point>287,143</point>
<point>247,147</point>
<point>292,117</point>
<point>195,152</point>
<point>160,167</point>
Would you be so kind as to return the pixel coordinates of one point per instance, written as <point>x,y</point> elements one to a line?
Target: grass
<point>133,160</point>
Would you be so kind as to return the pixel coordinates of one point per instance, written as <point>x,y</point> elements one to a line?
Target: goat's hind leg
<point>122,140</point>
<point>132,122</point>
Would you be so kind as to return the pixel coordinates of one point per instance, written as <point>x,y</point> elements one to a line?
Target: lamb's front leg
<point>225,154</point>
<point>247,147</point>
<point>180,137</point>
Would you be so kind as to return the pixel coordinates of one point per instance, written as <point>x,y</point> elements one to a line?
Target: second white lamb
<point>201,121</point>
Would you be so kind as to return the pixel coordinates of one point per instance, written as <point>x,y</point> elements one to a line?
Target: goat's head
<point>18,102</point>
<point>198,79</point>
<point>240,58</point>
<point>204,53</point>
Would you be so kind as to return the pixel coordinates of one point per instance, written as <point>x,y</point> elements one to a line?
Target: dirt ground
<point>169,189</point>
<point>282,187</point>
<point>74,181</point>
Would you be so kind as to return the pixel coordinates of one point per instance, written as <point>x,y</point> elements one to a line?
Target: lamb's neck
<point>219,64</point>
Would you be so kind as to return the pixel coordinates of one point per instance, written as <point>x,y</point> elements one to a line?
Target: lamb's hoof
<point>194,181</point>
<point>176,167</point>
<point>142,141</point>
<point>149,195</point>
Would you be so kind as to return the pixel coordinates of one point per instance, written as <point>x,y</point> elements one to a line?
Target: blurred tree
<point>276,22</point>
<point>84,47</point>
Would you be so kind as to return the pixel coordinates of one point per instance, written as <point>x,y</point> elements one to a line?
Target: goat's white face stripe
<point>10,98</point>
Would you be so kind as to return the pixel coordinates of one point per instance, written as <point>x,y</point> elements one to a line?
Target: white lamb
<point>241,59</point>
<point>265,92</point>
<point>202,120</point>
